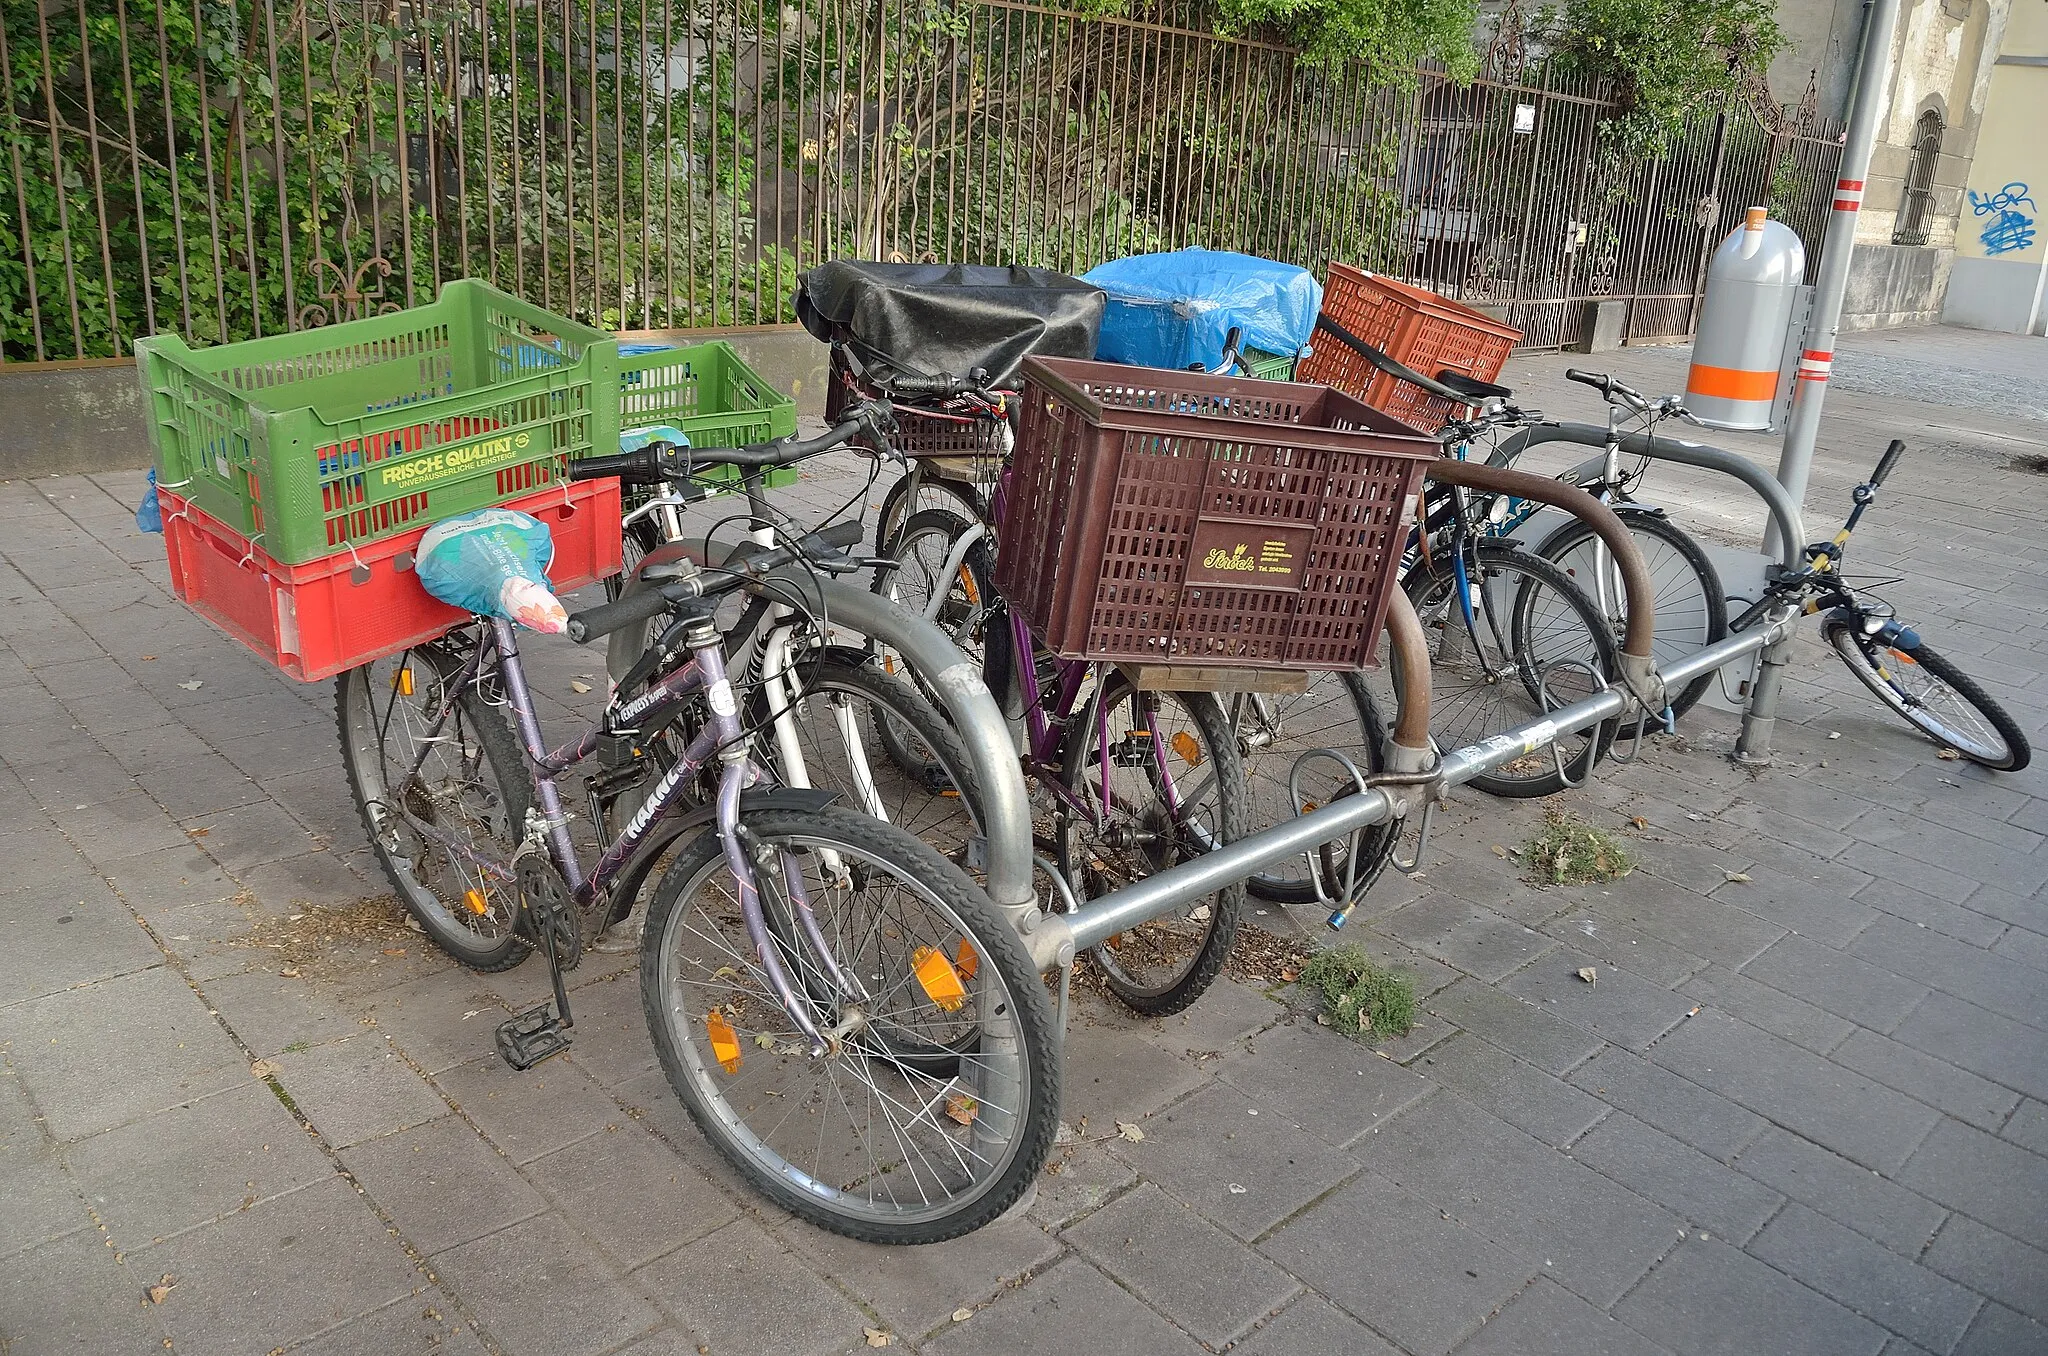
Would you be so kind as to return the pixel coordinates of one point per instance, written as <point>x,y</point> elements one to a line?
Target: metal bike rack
<point>1753,746</point>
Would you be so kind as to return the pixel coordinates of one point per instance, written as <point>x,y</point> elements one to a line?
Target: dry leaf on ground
<point>1129,1130</point>
<point>1589,973</point>
<point>265,1068</point>
<point>157,1293</point>
<point>877,1337</point>
<point>962,1314</point>
<point>1740,876</point>
<point>962,1108</point>
<point>578,685</point>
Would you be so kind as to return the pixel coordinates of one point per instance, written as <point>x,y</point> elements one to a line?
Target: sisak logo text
<point>1273,558</point>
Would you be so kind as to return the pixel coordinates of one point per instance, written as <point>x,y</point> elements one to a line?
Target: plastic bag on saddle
<point>494,562</point>
<point>1176,309</point>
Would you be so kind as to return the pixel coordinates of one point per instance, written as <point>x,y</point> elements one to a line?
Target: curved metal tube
<point>1410,650</point>
<point>1791,535</point>
<point>1635,576</point>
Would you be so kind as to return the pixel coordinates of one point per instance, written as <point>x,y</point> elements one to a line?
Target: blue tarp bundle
<point>1176,309</point>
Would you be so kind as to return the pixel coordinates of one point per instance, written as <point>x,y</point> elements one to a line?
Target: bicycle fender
<point>633,876</point>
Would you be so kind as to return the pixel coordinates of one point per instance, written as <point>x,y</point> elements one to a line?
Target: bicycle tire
<point>936,494</point>
<point>1570,628</point>
<point>970,593</point>
<point>1007,997</point>
<point>1201,941</point>
<point>1860,653</point>
<point>1360,734</point>
<point>434,885</point>
<point>1683,624</point>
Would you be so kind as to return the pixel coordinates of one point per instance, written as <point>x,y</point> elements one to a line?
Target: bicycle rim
<point>1910,685</point>
<point>1273,732</point>
<point>862,1140</point>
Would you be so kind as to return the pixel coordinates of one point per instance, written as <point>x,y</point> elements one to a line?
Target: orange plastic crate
<point>323,617</point>
<point>1410,325</point>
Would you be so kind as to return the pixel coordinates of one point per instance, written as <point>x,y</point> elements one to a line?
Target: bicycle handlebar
<point>658,462</point>
<point>824,544</point>
<point>1390,366</point>
<point>1888,461</point>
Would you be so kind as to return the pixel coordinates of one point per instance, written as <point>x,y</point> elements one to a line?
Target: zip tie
<point>250,554</point>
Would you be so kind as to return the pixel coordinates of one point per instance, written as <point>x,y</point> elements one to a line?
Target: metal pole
<point>1873,87</point>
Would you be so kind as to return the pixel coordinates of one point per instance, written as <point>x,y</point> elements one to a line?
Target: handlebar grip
<point>632,468</point>
<point>944,384</point>
<point>1888,461</point>
<point>1600,381</point>
<point>589,624</point>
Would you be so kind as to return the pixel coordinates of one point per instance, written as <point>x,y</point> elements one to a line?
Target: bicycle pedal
<point>532,1036</point>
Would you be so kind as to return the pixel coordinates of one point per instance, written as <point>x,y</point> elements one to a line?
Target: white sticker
<point>722,701</point>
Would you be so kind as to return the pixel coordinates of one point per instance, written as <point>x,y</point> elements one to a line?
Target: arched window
<point>1916,211</point>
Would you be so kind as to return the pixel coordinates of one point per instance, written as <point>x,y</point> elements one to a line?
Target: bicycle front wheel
<point>1934,696</point>
<point>865,1141</point>
<point>1503,631</point>
<point>1692,609</point>
<point>1152,779</point>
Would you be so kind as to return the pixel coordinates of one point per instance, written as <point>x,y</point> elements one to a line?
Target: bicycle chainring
<point>545,908</point>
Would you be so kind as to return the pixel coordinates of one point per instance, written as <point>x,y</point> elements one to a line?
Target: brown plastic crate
<point>1410,325</point>
<point>1158,517</point>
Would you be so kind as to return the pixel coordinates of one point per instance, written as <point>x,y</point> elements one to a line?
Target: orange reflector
<point>1904,658</point>
<point>937,977</point>
<point>967,961</point>
<point>476,901</point>
<point>725,1046</point>
<point>1186,746</point>
<point>1114,941</point>
<point>402,680</point>
<point>967,586</point>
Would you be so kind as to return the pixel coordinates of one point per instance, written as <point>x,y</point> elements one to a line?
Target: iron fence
<point>235,168</point>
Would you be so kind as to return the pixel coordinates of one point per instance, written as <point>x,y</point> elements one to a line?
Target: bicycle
<point>799,958</point>
<point>1888,657</point>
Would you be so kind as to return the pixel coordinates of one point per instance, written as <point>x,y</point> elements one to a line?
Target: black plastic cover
<point>926,319</point>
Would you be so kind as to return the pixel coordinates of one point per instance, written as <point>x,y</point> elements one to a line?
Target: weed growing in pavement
<point>1362,999</point>
<point>1569,851</point>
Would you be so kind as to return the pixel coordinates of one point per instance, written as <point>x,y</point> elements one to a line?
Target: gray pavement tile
<point>1069,1307</point>
<point>268,1012</point>
<point>2028,911</point>
<point>287,1268</point>
<point>1696,866</point>
<point>1768,1009</point>
<point>194,788</point>
<point>1312,1326</point>
<point>2026,947</point>
<point>1397,1263</point>
<point>544,1290</point>
<point>1228,1012</point>
<point>1938,1083</point>
<point>1679,1107</point>
<point>159,748</point>
<point>1519,1093</point>
<point>193,1163</point>
<point>533,1113</point>
<point>1999,1331</point>
<point>50,941</point>
<point>1428,974</point>
<point>1548,1320</point>
<point>1822,911</point>
<point>72,1295</point>
<point>2000,1049</point>
<point>1853,1271</point>
<point>64,769</point>
<point>442,1184</point>
<point>88,677</point>
<point>1689,921</point>
<point>1939,848</point>
<point>1334,1088</point>
<point>1985,1177</point>
<point>1079,1178</point>
<point>356,1089</point>
<point>318,880</point>
<point>251,835</point>
<point>1182,1265</point>
<point>38,853</point>
<point>1992,1263</point>
<point>2028,1126</point>
<point>1592,1235</point>
<point>2031,815</point>
<point>421,1324</point>
<point>1708,1299</point>
<point>42,1201</point>
<point>1111,1070</point>
<point>1479,878</point>
<point>1867,994</point>
<point>612,1044</point>
<point>124,712</point>
<point>446,1018</point>
<point>630,1194</point>
<point>1245,1172</point>
<point>1428,1032</point>
<point>109,830</point>
<point>1845,1192</point>
<point>1623,944</point>
<point>1617,1006</point>
<point>1710,1197</point>
<point>1472,938</point>
<point>1825,1102</point>
<point>740,1289</point>
<point>170,878</point>
<point>1916,873</point>
<point>104,1054</point>
<point>917,1290</point>
<point>667,1342</point>
<point>1982,977</point>
<point>1947,917</point>
<point>1516,1025</point>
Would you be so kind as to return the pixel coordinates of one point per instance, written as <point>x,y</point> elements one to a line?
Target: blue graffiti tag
<point>2009,228</point>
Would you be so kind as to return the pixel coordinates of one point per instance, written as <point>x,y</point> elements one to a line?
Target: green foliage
<point>1664,60</point>
<point>1362,999</point>
<point>1569,851</point>
<point>1390,36</point>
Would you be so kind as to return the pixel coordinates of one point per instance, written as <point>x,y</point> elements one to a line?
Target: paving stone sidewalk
<point>1804,1109</point>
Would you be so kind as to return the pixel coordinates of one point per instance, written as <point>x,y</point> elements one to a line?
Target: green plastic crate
<point>1269,366</point>
<point>708,392</point>
<point>315,442</point>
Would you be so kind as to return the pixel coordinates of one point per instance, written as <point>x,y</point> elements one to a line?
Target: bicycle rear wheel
<point>1152,779</point>
<point>1692,609</point>
<point>864,1141</point>
<point>1932,695</point>
<point>1337,712</point>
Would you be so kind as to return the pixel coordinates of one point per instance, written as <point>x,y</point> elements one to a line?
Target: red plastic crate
<point>315,620</point>
<point>1410,325</point>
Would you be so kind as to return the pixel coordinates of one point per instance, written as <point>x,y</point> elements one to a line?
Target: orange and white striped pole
<point>1817,352</point>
